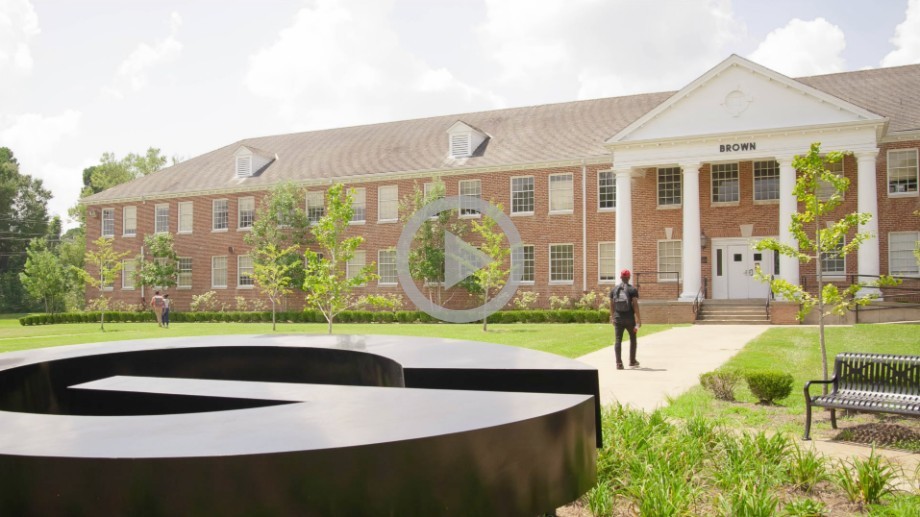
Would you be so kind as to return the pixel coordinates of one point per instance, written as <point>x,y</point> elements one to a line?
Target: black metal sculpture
<point>294,425</point>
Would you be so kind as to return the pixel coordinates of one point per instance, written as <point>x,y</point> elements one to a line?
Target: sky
<point>78,79</point>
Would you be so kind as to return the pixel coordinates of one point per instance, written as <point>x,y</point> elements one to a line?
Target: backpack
<point>621,301</point>
<point>158,302</point>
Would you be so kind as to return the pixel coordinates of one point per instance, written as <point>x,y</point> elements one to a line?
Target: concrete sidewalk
<point>671,363</point>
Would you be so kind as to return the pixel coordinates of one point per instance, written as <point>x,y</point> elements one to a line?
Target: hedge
<point>314,316</point>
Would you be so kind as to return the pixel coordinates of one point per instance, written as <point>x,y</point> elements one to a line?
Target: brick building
<point>674,186</point>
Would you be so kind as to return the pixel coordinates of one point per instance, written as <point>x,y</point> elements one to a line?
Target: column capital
<point>622,171</point>
<point>784,161</point>
<point>866,154</point>
<point>690,167</point>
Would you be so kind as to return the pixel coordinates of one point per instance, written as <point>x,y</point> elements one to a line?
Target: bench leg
<point>807,420</point>
<point>834,418</point>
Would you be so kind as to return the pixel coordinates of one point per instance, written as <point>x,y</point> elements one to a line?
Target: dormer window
<point>464,140</point>
<point>243,166</point>
<point>251,161</point>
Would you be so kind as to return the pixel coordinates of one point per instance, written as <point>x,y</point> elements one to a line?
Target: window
<point>316,207</point>
<point>219,272</point>
<point>522,195</point>
<point>220,215</point>
<point>561,199</point>
<point>725,188</point>
<point>669,189</point>
<point>388,203</point>
<point>430,192</point>
<point>386,267</point>
<point>669,261</point>
<point>244,271</point>
<point>108,222</point>
<point>358,205</point>
<point>606,190</point>
<point>606,262</point>
<point>127,274</point>
<point>129,221</point>
<point>561,263</point>
<point>246,212</point>
<point>185,217</point>
<point>161,219</point>
<point>902,172</point>
<point>832,262</point>
<point>901,260</point>
<point>354,266</point>
<point>766,181</point>
<point>825,189</point>
<point>526,258</point>
<point>469,190</point>
<point>184,280</point>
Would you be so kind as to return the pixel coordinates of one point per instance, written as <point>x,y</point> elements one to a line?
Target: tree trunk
<point>273,314</point>
<point>102,320</point>
<point>819,269</point>
<point>329,321</point>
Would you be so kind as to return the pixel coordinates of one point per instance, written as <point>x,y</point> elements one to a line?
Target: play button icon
<point>461,260</point>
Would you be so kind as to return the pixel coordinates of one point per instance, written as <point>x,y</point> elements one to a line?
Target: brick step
<point>761,316</point>
<point>733,322</point>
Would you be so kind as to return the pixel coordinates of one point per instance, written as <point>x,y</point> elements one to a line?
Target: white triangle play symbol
<point>461,260</point>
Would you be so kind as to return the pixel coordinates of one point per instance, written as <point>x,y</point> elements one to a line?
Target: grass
<point>794,350</point>
<point>571,340</point>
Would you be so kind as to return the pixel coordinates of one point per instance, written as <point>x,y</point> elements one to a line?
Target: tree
<point>159,265</point>
<point>281,222</point>
<point>23,216</point>
<point>427,255</point>
<point>72,253</point>
<point>272,271</point>
<point>43,277</point>
<point>491,277</point>
<point>816,239</point>
<point>327,281</point>
<point>106,263</point>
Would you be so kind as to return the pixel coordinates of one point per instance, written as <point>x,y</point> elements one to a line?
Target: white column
<point>691,261</point>
<point>624,240</point>
<point>788,205</point>
<point>867,202</point>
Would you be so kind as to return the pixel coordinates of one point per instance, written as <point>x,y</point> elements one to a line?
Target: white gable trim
<point>463,140</point>
<point>733,61</point>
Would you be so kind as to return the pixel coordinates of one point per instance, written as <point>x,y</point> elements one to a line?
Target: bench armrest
<point>832,380</point>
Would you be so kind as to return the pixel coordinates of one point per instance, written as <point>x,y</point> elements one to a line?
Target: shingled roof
<point>552,133</point>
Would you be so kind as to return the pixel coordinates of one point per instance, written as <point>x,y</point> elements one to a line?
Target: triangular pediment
<point>740,96</point>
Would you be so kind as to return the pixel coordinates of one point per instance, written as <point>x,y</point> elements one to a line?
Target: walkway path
<point>671,363</point>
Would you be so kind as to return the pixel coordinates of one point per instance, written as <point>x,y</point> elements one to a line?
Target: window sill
<point>526,282</point>
<point>520,214</point>
<point>562,282</point>
<point>387,221</point>
<point>387,284</point>
<point>244,229</point>
<point>244,287</point>
<point>561,212</point>
<point>187,232</point>
<point>471,216</point>
<point>108,236</point>
<point>128,288</point>
<point>607,210</point>
<point>721,204</point>
<point>669,207</point>
<point>356,223</point>
<point>218,287</point>
<point>607,282</point>
<point>902,194</point>
<point>129,235</point>
<point>766,201</point>
<point>184,288</point>
<point>219,230</point>
<point>162,233</point>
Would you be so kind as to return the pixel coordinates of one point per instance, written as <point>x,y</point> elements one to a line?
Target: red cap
<point>625,273</point>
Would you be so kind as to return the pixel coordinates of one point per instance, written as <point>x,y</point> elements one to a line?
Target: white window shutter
<point>460,145</point>
<point>243,166</point>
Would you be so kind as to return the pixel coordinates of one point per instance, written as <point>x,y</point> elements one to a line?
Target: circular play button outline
<point>404,246</point>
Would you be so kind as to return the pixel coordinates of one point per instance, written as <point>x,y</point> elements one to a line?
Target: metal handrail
<point>698,299</point>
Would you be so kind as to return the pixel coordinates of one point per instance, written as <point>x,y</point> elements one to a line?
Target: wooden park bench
<point>874,383</point>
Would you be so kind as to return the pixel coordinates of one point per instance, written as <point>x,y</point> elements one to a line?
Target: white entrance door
<point>733,266</point>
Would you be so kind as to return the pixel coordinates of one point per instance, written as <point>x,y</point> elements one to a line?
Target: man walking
<point>624,313</point>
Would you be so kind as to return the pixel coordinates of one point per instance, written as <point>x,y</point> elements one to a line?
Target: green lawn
<point>794,350</point>
<point>572,340</point>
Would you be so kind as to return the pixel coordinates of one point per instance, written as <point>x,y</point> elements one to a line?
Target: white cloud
<point>803,48</point>
<point>340,63</point>
<point>18,25</point>
<point>906,38</point>
<point>563,49</point>
<point>35,139</point>
<point>134,71</point>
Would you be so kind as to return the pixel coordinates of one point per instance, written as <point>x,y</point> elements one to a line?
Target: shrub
<point>205,302</point>
<point>558,303</point>
<point>525,300</point>
<point>769,386</point>
<point>721,383</point>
